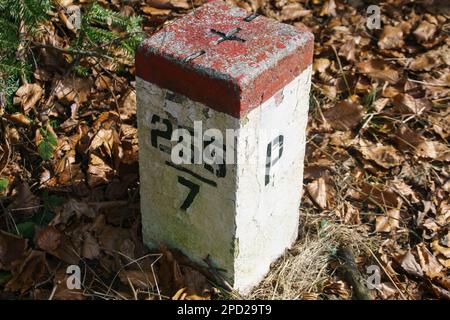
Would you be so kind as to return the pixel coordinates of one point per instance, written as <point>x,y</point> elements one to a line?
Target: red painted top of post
<point>232,76</point>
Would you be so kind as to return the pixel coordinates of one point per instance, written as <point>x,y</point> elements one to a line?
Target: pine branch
<point>95,30</point>
<point>98,37</point>
<point>81,53</point>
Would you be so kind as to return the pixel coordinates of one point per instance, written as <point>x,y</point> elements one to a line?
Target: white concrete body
<point>244,219</point>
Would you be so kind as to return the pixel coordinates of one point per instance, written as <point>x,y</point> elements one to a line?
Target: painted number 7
<point>193,191</point>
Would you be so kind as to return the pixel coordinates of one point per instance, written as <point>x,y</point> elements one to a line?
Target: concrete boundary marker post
<point>221,81</point>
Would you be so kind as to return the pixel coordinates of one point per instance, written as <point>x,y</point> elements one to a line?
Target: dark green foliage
<point>102,31</point>
<point>29,11</point>
<point>5,276</point>
<point>28,228</point>
<point>15,13</point>
<point>81,71</point>
<point>95,30</point>
<point>3,184</point>
<point>48,143</point>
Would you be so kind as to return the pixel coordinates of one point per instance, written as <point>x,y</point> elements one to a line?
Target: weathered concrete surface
<point>244,215</point>
<point>208,225</point>
<point>267,215</point>
<point>239,75</point>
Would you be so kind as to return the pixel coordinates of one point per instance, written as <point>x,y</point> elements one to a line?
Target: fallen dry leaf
<point>197,286</point>
<point>73,89</point>
<point>388,291</point>
<point>379,70</point>
<point>27,96</point>
<point>317,190</point>
<point>58,244</point>
<point>383,155</point>
<point>410,265</point>
<point>445,262</point>
<point>25,202</point>
<point>441,123</point>
<point>63,16</point>
<point>430,266</point>
<point>379,195</point>
<point>103,82</point>
<point>406,104</point>
<point>155,11</point>
<point>169,4</point>
<point>170,277</point>
<point>30,272</point>
<point>348,50</point>
<point>337,287</point>
<point>388,222</point>
<point>127,105</point>
<point>293,11</point>
<point>424,31</point>
<point>90,248</point>
<point>391,38</point>
<point>12,250</point>
<point>440,249</point>
<point>440,292</point>
<point>321,64</point>
<point>98,171</point>
<point>409,140</point>
<point>400,187</point>
<point>344,115</point>
<point>130,144</point>
<point>64,3</point>
<point>19,118</point>
<point>107,120</point>
<point>341,138</point>
<point>117,240</point>
<point>350,214</point>
<point>62,292</point>
<point>144,280</point>
<point>423,62</point>
<point>104,138</point>
<point>78,208</point>
<point>66,172</point>
<point>328,8</point>
<point>71,122</point>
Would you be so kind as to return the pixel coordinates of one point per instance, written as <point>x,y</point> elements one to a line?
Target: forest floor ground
<point>376,182</point>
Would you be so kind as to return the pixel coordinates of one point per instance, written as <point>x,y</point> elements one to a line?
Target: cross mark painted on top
<point>228,36</point>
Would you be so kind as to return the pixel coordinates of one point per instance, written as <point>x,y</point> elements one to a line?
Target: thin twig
<point>385,271</point>
<point>81,53</point>
<point>342,70</point>
<point>429,84</point>
<point>216,273</point>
